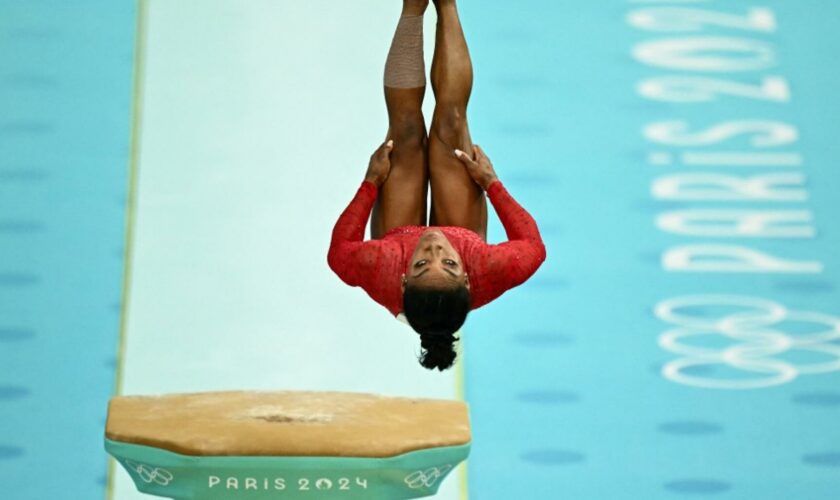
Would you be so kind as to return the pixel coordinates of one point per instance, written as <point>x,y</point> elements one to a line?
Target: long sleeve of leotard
<point>511,263</point>
<point>348,254</point>
<point>371,265</point>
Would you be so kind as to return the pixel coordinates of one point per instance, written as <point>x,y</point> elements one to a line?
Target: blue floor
<point>65,96</point>
<point>653,356</point>
<point>572,394</point>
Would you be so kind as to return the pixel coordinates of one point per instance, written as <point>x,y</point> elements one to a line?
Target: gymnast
<point>432,275</point>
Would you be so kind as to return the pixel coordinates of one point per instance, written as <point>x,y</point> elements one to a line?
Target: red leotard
<point>377,265</point>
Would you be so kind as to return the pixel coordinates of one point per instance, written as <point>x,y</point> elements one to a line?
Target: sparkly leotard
<point>377,265</point>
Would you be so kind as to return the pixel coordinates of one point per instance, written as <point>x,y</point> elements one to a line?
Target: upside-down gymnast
<point>433,275</point>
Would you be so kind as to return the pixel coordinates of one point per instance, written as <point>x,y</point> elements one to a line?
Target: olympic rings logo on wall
<point>148,474</point>
<point>426,478</point>
<point>755,329</point>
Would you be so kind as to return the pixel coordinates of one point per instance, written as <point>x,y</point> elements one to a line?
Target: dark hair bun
<point>438,351</point>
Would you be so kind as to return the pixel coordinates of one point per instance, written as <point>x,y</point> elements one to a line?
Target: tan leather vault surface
<point>287,423</point>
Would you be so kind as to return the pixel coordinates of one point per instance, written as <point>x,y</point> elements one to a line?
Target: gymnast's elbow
<point>539,253</point>
<point>334,260</point>
<point>538,257</point>
<point>340,267</point>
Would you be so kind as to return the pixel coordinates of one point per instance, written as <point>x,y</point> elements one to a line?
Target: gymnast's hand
<point>380,164</point>
<point>480,169</point>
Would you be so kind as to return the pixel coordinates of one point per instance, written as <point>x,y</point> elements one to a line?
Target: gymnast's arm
<point>516,260</point>
<point>524,252</point>
<point>346,246</point>
<point>518,223</point>
<point>349,257</point>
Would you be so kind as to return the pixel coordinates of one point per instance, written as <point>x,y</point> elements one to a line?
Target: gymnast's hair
<point>436,314</point>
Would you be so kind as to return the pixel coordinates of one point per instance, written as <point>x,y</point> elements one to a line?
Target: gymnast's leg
<point>402,198</point>
<point>456,199</point>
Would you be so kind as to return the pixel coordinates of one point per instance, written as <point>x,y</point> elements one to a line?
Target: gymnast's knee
<point>408,132</point>
<point>450,124</point>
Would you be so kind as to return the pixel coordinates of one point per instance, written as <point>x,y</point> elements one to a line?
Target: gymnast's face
<point>435,263</point>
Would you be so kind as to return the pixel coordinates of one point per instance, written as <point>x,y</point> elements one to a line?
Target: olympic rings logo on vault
<point>151,475</point>
<point>426,478</point>
<point>744,345</point>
